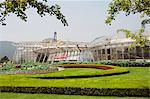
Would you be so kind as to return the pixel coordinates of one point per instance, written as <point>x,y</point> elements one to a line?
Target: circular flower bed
<point>83,71</point>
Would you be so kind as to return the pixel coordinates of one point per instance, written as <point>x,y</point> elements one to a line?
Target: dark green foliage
<point>143,92</point>
<point>19,7</point>
<point>129,7</point>
<point>140,39</point>
<point>4,59</point>
<point>114,63</point>
<point>126,63</point>
<point>84,76</point>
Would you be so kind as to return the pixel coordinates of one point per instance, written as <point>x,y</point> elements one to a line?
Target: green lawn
<point>47,96</point>
<point>137,78</point>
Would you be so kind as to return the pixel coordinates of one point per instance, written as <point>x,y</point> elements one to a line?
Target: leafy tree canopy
<point>19,7</point>
<point>140,39</point>
<point>131,7</point>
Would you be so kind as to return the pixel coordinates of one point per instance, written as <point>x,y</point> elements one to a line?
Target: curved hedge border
<point>144,92</point>
<point>83,76</point>
<point>92,66</point>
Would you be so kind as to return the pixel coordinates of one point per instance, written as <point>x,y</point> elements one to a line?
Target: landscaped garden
<point>77,79</point>
<point>26,68</point>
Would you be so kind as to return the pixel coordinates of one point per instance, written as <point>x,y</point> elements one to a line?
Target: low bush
<point>125,63</point>
<point>144,92</point>
<point>34,66</point>
<point>114,63</point>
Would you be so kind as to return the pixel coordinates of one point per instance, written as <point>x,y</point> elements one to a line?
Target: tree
<point>131,7</point>
<point>19,7</point>
<point>4,59</point>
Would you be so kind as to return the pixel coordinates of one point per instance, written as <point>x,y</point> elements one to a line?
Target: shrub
<point>27,67</point>
<point>7,66</point>
<point>144,92</point>
<point>34,66</point>
<point>125,63</point>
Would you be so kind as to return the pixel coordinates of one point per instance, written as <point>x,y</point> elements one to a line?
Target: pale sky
<point>86,19</point>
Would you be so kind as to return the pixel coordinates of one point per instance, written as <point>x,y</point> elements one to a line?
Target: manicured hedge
<point>126,63</point>
<point>83,76</point>
<point>114,63</point>
<point>144,92</point>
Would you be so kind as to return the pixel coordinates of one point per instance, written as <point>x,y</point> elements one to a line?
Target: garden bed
<point>84,71</point>
<point>136,83</point>
<point>26,68</point>
<point>30,71</point>
<point>86,66</point>
<point>137,78</point>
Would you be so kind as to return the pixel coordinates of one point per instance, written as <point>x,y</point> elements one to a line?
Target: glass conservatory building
<point>52,51</point>
<point>100,49</point>
<point>118,49</point>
